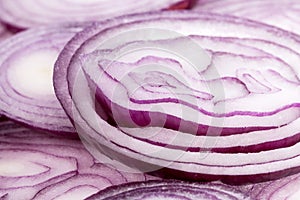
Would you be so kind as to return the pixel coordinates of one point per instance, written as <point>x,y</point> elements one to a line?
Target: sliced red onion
<point>262,129</point>
<point>26,87</point>
<point>170,189</point>
<point>160,86</point>
<point>40,166</point>
<point>284,14</point>
<point>33,13</point>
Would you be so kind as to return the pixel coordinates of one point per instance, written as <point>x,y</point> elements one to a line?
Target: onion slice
<point>284,14</point>
<point>26,86</point>
<point>254,59</point>
<point>35,13</point>
<point>36,165</point>
<point>170,189</point>
<point>284,188</point>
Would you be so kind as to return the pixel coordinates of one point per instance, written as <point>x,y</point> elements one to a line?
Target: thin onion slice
<point>189,142</point>
<point>26,87</point>
<point>284,188</point>
<point>284,14</point>
<point>34,13</point>
<point>269,153</point>
<point>132,95</point>
<point>36,165</point>
<point>170,189</point>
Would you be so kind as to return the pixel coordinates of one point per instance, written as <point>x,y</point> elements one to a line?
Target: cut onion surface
<point>284,14</point>
<point>197,96</point>
<point>38,12</point>
<point>36,165</point>
<point>26,86</point>
<point>284,188</point>
<point>170,189</point>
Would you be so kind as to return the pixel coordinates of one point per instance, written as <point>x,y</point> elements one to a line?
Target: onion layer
<point>284,188</point>
<point>266,149</point>
<point>170,189</point>
<point>26,86</point>
<point>284,14</point>
<point>33,13</point>
<point>36,165</point>
<point>248,138</point>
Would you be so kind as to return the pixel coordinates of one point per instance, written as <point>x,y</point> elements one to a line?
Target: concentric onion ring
<point>169,189</point>
<point>284,14</point>
<point>266,149</point>
<point>36,165</point>
<point>32,13</point>
<point>26,86</point>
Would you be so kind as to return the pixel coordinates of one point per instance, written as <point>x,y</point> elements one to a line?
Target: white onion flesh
<point>32,13</point>
<point>283,14</point>
<point>27,63</point>
<point>236,158</point>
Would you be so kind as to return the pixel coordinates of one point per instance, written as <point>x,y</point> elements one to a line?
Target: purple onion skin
<point>17,104</point>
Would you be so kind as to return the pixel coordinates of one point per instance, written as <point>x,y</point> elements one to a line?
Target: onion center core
<point>32,73</point>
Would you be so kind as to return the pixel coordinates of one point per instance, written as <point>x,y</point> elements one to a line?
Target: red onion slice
<point>132,98</point>
<point>60,70</point>
<point>284,14</point>
<point>33,13</point>
<point>163,147</point>
<point>40,166</point>
<point>170,189</point>
<point>26,87</point>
